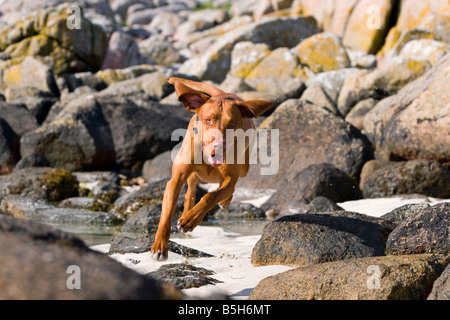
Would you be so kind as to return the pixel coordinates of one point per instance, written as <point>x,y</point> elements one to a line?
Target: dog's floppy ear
<point>253,108</point>
<point>192,99</point>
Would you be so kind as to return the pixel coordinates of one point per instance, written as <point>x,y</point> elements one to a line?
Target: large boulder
<point>361,24</point>
<point>122,52</point>
<point>215,63</point>
<point>424,232</point>
<point>65,264</point>
<point>307,135</point>
<point>40,210</point>
<point>373,278</point>
<point>426,177</point>
<point>28,72</point>
<point>104,130</point>
<point>40,183</point>
<point>9,147</point>
<point>46,33</point>
<point>404,125</point>
<point>304,239</point>
<point>380,82</point>
<point>275,74</point>
<point>441,287</point>
<point>321,179</point>
<point>368,25</point>
<point>323,52</point>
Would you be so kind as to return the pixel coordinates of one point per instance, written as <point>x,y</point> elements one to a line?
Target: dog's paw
<point>185,225</point>
<point>159,253</point>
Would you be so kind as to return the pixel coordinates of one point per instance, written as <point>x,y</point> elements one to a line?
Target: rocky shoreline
<point>361,102</point>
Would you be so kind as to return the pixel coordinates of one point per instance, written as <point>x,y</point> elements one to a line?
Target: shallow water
<point>96,234</point>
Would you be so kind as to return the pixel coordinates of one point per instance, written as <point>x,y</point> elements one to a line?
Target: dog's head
<point>216,112</point>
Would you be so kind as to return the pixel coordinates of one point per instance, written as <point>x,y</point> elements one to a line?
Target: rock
<point>400,214</point>
<point>85,203</point>
<point>304,239</point>
<point>246,56</point>
<point>308,135</point>
<point>400,278</point>
<point>151,194</point>
<point>425,49</point>
<point>145,16</point>
<point>102,185</point>
<point>331,82</point>
<point>158,168</point>
<point>105,130</point>
<point>322,52</point>
<point>38,107</point>
<point>357,113</point>
<point>210,35</point>
<point>9,147</point>
<point>367,25</point>
<point>316,180</point>
<point>424,232</point>
<point>264,7</point>
<point>414,12</point>
<point>214,64</point>
<point>40,183</point>
<point>246,7</point>
<point>361,59</point>
<point>396,40</point>
<point>166,23</point>
<point>160,50</point>
<point>41,210</point>
<point>72,144</point>
<point>30,72</point>
<point>379,83</point>
<point>18,117</point>
<point>425,177</point>
<point>23,207</point>
<point>322,204</point>
<point>120,7</point>
<point>441,287</point>
<point>46,34</point>
<point>314,94</point>
<point>183,276</point>
<point>145,220</point>
<point>112,76</point>
<point>200,20</point>
<point>123,244</point>
<point>403,126</point>
<point>240,211</point>
<point>369,167</point>
<point>44,250</point>
<point>122,52</point>
<point>275,74</point>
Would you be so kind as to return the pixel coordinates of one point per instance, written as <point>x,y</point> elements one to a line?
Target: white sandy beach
<point>232,252</point>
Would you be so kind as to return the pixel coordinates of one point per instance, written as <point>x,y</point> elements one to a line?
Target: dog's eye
<point>208,121</point>
<point>231,124</point>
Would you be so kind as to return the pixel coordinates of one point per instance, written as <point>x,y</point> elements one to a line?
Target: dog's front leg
<point>160,247</point>
<point>193,217</point>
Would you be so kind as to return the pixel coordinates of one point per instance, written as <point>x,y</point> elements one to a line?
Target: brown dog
<point>203,155</point>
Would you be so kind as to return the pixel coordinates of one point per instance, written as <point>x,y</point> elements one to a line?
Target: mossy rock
<point>273,71</point>
<point>323,52</point>
<point>46,34</point>
<point>245,56</point>
<point>60,184</point>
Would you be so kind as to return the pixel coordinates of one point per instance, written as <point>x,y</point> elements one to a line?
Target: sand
<point>232,251</point>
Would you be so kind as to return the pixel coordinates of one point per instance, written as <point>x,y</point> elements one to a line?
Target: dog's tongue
<point>216,160</point>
